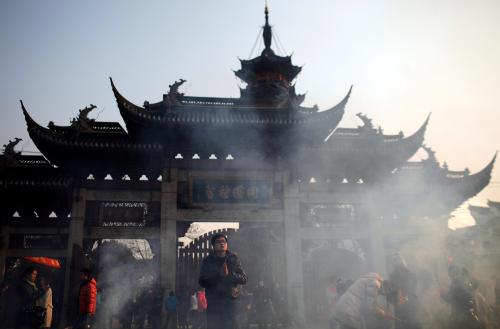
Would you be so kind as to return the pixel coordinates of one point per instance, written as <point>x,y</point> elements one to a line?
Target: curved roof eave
<point>339,107</point>
<point>36,131</point>
<point>482,178</point>
<point>29,120</point>
<point>131,113</point>
<point>452,192</point>
<point>469,186</point>
<point>410,145</point>
<point>325,122</point>
<point>420,133</point>
<point>121,100</point>
<point>51,144</point>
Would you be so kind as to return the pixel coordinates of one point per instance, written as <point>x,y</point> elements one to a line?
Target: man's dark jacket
<point>27,293</point>
<point>217,285</point>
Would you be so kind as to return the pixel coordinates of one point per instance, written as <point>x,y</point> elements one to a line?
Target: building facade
<point>312,200</point>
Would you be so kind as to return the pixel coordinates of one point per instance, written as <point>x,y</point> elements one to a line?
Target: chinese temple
<point>312,199</point>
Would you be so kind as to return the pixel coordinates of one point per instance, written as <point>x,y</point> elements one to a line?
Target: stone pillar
<point>168,231</point>
<point>378,252</point>
<point>4,246</point>
<point>75,236</point>
<point>293,247</point>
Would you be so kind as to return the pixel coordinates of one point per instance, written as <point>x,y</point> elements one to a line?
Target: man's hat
<point>216,236</point>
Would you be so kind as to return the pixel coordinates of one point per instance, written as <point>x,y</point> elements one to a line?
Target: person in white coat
<point>45,301</point>
<point>357,308</point>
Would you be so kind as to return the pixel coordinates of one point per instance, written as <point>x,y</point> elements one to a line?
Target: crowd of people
<point>259,307</point>
<point>224,302</point>
<point>370,302</point>
<point>28,301</point>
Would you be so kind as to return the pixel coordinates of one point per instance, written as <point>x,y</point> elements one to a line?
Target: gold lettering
<point>239,192</point>
<point>209,192</point>
<point>252,192</point>
<point>224,192</point>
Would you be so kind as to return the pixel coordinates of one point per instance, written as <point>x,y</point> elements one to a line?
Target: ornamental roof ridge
<point>49,141</point>
<point>227,110</point>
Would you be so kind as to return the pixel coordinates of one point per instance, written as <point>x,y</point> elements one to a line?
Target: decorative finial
<point>266,13</point>
<point>267,33</point>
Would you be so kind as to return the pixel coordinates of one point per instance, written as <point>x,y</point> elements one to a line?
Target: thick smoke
<point>127,273</point>
<point>379,227</point>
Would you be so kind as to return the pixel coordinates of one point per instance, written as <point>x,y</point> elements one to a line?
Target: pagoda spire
<point>267,34</point>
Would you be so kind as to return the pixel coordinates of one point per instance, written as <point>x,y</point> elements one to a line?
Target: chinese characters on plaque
<point>231,191</point>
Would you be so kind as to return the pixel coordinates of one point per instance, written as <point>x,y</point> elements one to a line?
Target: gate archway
<point>262,253</point>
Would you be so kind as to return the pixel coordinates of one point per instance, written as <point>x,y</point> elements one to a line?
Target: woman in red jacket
<point>87,297</point>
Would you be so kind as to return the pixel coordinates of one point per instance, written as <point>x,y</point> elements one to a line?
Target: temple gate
<point>309,197</point>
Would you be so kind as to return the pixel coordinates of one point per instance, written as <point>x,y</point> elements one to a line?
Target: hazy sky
<point>405,59</point>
